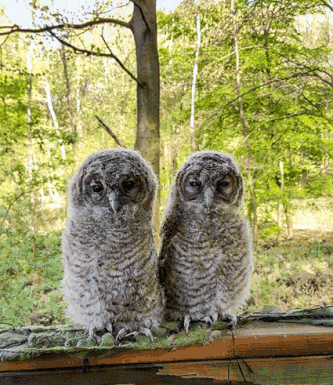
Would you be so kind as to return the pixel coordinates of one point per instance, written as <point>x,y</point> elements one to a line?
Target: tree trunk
<point>144,28</point>
<point>54,118</point>
<point>194,82</point>
<point>245,133</point>
<point>280,207</point>
<point>68,97</point>
<point>290,226</point>
<point>289,218</point>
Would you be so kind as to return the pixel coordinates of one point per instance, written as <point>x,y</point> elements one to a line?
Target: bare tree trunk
<point>289,218</point>
<point>68,88</point>
<point>290,226</point>
<point>69,104</point>
<point>280,206</point>
<point>144,28</point>
<point>54,118</point>
<point>279,214</point>
<point>244,129</point>
<point>194,82</point>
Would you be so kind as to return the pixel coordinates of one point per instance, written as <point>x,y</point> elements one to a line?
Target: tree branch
<point>87,52</point>
<point>108,130</point>
<point>15,28</point>
<point>255,88</point>
<point>327,4</point>
<point>143,8</point>
<point>119,62</point>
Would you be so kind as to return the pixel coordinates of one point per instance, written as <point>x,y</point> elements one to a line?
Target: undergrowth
<point>287,274</point>
<point>30,277</point>
<point>293,273</point>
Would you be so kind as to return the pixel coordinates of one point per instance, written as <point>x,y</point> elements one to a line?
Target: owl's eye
<point>97,187</point>
<point>194,183</point>
<point>128,185</point>
<point>222,185</point>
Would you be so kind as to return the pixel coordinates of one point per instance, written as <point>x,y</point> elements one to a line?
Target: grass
<point>288,273</point>
<point>293,273</point>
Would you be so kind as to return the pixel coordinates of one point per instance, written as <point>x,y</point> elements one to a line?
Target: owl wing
<point>169,230</point>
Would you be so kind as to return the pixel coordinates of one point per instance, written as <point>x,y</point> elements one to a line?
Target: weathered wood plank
<point>287,370</point>
<point>255,340</point>
<point>139,375</point>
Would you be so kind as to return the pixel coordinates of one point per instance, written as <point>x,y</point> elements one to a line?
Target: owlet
<point>109,260</point>
<point>205,258</point>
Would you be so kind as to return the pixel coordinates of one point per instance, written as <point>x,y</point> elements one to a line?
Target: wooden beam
<point>277,370</point>
<point>256,340</point>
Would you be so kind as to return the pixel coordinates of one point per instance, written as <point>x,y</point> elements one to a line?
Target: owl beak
<point>208,198</point>
<point>113,199</point>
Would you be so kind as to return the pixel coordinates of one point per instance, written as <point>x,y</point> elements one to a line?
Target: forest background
<point>251,78</point>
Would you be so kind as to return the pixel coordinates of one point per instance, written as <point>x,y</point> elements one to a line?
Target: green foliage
<point>285,115</point>
<point>287,98</point>
<point>31,272</point>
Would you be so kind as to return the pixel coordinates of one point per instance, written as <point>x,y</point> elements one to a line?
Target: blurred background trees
<point>250,78</point>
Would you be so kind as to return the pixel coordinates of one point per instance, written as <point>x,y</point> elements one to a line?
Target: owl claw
<point>147,332</point>
<point>108,327</point>
<point>187,323</point>
<point>231,321</point>
<point>208,320</point>
<point>121,334</point>
<point>93,335</point>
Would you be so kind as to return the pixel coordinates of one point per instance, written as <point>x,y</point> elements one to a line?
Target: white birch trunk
<point>54,118</point>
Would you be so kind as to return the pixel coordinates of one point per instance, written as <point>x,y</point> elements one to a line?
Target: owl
<point>109,260</point>
<point>205,257</point>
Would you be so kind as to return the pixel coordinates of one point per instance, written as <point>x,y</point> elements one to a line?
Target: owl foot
<point>187,321</point>
<point>144,331</point>
<point>92,335</point>
<point>231,321</point>
<point>210,319</point>
<point>121,334</point>
<point>109,328</point>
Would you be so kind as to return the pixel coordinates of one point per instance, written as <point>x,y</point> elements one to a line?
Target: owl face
<point>210,180</point>
<point>114,179</point>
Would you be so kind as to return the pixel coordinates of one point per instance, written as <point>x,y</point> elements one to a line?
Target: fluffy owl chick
<point>205,258</point>
<point>109,260</point>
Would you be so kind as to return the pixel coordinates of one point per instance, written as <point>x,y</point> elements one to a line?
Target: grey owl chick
<point>109,259</point>
<point>205,258</point>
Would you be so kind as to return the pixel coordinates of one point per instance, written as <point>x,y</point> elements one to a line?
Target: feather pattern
<point>109,259</point>
<point>205,258</point>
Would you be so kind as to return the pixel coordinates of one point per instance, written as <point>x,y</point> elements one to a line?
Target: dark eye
<point>97,187</point>
<point>128,185</point>
<point>194,183</point>
<point>222,184</point>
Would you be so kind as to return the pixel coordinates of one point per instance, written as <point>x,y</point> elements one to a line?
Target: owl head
<point>208,181</point>
<point>113,182</point>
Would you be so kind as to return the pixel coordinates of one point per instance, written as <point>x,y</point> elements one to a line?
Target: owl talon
<point>187,323</point>
<point>109,327</point>
<point>208,320</point>
<point>144,331</point>
<point>121,334</point>
<point>231,321</point>
<point>93,335</point>
<point>147,332</point>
